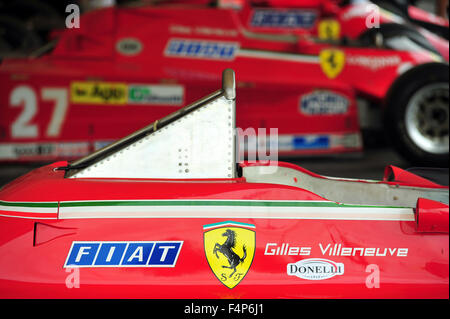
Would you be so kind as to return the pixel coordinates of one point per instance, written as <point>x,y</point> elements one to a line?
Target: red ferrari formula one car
<point>166,213</point>
<point>126,66</point>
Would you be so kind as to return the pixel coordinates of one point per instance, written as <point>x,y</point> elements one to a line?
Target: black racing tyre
<point>416,115</point>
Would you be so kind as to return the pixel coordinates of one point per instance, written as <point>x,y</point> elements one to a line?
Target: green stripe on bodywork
<point>227,223</point>
<point>30,204</point>
<point>217,203</point>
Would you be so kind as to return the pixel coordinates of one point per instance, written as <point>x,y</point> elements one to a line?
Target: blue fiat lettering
<point>82,254</point>
<point>289,19</point>
<point>124,254</point>
<point>164,254</point>
<point>110,254</point>
<point>137,254</point>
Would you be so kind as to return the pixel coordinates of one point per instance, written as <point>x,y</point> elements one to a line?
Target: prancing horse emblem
<point>332,62</point>
<point>229,259</point>
<point>227,250</point>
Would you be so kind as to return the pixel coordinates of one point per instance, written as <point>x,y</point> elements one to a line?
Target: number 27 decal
<point>25,96</point>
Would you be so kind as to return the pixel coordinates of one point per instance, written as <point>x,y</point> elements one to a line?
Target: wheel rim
<point>427,118</point>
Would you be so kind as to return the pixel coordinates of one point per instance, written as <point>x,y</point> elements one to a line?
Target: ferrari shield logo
<point>332,62</point>
<point>329,29</point>
<point>229,249</point>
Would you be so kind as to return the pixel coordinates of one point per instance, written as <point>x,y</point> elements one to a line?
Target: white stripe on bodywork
<point>277,56</point>
<point>24,209</point>
<point>332,213</point>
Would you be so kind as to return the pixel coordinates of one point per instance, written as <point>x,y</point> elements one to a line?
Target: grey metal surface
<point>346,191</point>
<point>198,145</point>
<point>370,165</point>
<point>144,131</point>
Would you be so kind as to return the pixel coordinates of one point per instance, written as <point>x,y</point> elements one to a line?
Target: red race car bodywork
<point>121,223</point>
<point>126,66</point>
<point>112,225</point>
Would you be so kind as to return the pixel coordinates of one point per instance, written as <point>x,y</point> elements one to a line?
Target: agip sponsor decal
<point>229,249</point>
<point>202,49</point>
<point>315,269</point>
<point>123,254</point>
<point>283,19</point>
<point>323,102</point>
<point>156,94</point>
<point>113,93</point>
<point>98,92</point>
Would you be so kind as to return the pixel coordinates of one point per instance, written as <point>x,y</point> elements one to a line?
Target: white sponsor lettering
<point>82,252</point>
<point>374,63</point>
<point>138,253</point>
<point>286,249</point>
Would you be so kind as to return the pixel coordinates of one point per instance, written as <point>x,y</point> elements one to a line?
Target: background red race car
<point>397,22</point>
<point>126,66</point>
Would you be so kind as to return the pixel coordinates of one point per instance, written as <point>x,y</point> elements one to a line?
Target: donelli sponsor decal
<point>315,269</point>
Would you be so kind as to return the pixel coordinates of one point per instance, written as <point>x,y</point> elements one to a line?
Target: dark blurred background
<point>27,25</point>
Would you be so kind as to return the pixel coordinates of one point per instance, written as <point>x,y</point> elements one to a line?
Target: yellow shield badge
<point>332,62</point>
<point>329,29</point>
<point>229,248</point>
